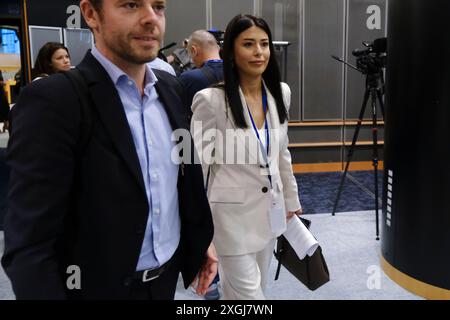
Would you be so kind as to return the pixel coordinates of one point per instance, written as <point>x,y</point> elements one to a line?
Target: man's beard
<point>129,54</point>
<point>135,59</point>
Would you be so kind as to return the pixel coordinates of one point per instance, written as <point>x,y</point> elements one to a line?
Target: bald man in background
<point>205,53</point>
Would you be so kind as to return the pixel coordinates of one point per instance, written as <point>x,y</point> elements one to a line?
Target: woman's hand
<point>290,214</point>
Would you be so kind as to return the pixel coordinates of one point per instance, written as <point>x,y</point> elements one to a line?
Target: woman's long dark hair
<point>271,75</point>
<point>43,64</point>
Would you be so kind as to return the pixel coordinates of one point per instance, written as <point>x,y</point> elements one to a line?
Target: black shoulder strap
<point>79,84</point>
<point>211,77</point>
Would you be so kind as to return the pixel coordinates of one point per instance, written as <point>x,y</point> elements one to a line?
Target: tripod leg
<point>380,100</point>
<point>350,151</point>
<point>374,94</point>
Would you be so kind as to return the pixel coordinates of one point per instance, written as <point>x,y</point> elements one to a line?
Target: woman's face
<point>60,60</point>
<point>252,52</point>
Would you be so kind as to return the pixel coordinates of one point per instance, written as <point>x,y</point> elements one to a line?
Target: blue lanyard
<point>266,128</point>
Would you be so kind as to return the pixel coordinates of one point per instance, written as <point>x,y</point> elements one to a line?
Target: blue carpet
<point>318,191</point>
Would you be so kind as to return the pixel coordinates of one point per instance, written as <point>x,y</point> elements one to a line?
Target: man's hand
<point>207,272</point>
<point>290,214</point>
<point>6,126</point>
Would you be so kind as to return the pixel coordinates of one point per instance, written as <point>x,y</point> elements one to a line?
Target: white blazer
<point>239,192</point>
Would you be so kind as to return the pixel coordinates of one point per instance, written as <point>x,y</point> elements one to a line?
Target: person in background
<point>253,191</point>
<point>18,85</point>
<point>4,105</point>
<point>204,52</point>
<point>160,64</point>
<point>53,57</point>
<point>180,59</point>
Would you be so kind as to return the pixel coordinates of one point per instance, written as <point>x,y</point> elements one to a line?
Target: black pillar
<point>416,204</point>
<point>4,177</point>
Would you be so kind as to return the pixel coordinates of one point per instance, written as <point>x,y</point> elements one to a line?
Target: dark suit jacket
<point>196,80</point>
<point>91,211</point>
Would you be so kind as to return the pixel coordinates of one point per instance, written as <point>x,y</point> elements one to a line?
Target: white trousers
<point>244,277</point>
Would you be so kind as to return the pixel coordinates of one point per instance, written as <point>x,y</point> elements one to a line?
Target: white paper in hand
<point>277,214</point>
<point>300,239</point>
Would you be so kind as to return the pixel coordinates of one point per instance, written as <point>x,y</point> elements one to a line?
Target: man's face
<point>129,31</point>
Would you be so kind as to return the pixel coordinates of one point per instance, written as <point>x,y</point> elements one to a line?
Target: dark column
<point>416,204</point>
<point>4,177</point>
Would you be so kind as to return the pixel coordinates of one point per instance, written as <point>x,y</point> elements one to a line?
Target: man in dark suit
<point>205,53</point>
<point>115,218</point>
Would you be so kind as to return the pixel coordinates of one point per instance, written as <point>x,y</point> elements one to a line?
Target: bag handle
<point>278,254</point>
<point>282,240</point>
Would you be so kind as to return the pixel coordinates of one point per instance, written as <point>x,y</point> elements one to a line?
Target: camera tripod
<point>374,90</point>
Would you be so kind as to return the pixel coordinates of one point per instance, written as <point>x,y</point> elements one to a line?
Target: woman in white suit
<point>240,133</point>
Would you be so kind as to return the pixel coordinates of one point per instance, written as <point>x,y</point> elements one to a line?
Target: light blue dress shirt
<point>151,131</point>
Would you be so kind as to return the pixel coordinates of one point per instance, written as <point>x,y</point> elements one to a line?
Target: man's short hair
<point>203,39</point>
<point>97,4</point>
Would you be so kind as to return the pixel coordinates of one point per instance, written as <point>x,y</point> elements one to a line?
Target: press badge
<point>277,213</point>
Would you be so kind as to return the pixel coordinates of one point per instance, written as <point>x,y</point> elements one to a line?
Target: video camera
<point>373,58</point>
<point>218,34</point>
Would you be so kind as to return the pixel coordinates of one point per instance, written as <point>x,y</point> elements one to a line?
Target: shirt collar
<point>212,61</point>
<point>117,75</point>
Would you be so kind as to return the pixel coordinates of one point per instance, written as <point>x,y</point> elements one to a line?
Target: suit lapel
<point>112,114</point>
<point>274,126</point>
<point>172,103</point>
<point>255,154</point>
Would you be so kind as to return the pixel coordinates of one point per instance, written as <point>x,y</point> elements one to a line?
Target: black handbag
<point>311,271</point>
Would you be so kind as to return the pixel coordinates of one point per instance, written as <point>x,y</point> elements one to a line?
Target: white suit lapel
<point>255,152</point>
<point>274,126</point>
